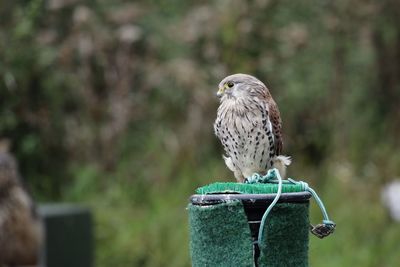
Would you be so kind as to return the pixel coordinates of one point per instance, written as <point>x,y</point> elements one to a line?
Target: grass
<point>365,235</point>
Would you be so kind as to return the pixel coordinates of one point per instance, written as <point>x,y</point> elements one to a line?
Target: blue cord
<point>317,199</point>
<point>278,195</point>
<point>273,176</point>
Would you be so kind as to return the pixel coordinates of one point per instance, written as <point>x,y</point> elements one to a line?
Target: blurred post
<point>68,236</point>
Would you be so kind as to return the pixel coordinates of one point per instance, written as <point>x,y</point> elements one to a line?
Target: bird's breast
<point>246,136</point>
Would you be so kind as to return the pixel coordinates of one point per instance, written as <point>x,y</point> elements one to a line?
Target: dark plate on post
<point>212,199</point>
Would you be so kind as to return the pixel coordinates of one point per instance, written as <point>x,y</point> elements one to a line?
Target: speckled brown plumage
<point>20,227</point>
<point>248,125</point>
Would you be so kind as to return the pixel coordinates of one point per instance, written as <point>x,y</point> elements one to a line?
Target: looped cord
<point>270,175</point>
<point>273,176</point>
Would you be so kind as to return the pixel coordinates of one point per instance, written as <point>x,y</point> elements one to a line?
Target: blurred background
<point>111,104</point>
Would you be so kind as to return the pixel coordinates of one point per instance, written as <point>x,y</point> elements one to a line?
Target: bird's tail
<point>281,162</point>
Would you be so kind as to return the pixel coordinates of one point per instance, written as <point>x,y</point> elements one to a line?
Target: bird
<point>21,230</point>
<point>248,124</point>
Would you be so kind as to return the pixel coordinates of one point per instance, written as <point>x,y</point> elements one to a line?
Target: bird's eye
<point>230,84</point>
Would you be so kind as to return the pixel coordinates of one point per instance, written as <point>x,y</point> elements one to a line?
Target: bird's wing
<point>276,122</point>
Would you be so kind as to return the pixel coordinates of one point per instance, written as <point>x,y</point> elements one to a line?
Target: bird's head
<point>238,86</point>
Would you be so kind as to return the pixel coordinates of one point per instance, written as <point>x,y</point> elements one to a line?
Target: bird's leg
<point>281,162</point>
<point>239,176</point>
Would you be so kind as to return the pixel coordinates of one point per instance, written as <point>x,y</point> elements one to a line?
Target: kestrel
<point>249,125</point>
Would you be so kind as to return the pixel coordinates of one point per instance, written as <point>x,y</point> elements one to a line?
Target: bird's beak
<point>221,90</point>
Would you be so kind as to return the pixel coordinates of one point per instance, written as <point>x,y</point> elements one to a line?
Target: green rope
<point>270,175</point>
<point>273,176</point>
<point>316,197</point>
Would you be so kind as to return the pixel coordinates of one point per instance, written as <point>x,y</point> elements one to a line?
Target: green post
<point>224,230</point>
<point>262,222</point>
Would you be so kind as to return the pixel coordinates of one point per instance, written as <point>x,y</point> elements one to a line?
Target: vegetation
<point>110,103</point>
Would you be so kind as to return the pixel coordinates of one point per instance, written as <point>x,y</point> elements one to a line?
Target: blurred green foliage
<point>110,103</point>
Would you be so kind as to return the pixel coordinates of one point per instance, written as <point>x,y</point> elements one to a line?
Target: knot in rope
<point>271,176</point>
